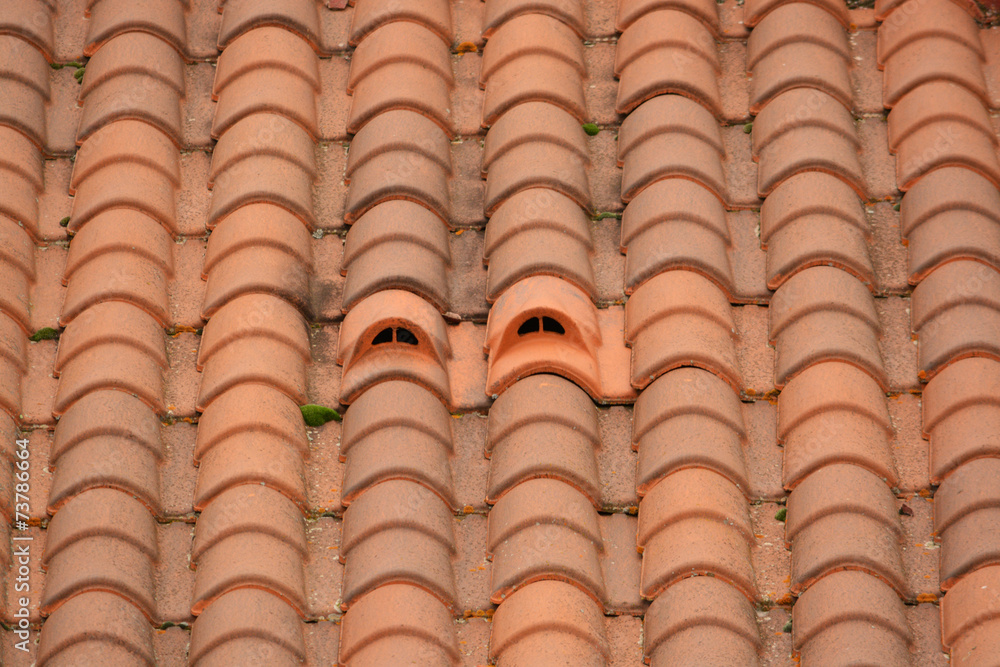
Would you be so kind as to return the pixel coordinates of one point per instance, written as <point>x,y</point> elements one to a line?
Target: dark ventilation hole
<point>550,325</point>
<point>529,326</point>
<point>405,336</point>
<point>384,336</point>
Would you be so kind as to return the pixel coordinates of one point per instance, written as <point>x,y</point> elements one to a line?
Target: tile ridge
<point>695,532</point>
<point>826,331</point>
<point>949,214</point>
<point>107,450</point>
<point>399,544</point>
<point>250,545</point>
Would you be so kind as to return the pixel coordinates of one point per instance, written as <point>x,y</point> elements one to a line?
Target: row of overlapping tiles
<point>22,135</point>
<point>101,541</point>
<point>544,536</point>
<point>946,164</point>
<point>250,326</point>
<point>842,523</point>
<point>687,423</point>
<point>398,541</point>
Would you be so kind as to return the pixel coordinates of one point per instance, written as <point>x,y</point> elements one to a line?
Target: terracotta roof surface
<point>664,332</point>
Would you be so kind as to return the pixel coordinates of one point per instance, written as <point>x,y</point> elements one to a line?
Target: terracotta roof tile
<point>14,300</point>
<point>543,515</point>
<point>251,486</point>
<point>531,35</point>
<point>537,400</point>
<point>549,618</point>
<point>384,455</point>
<point>799,64</point>
<point>755,10</point>
<point>960,413</point>
<point>243,16</point>
<point>851,615</point>
<point>535,78</point>
<point>952,313</point>
<point>100,563</point>
<point>498,12</point>
<point>399,130</point>
<point>110,18</point>
<point>395,617</point>
<point>814,412</point>
<point>127,142</point>
<point>942,144</point>
<point>259,509</point>
<point>965,520</point>
<point>136,472</point>
<point>663,115</point>
<point>402,85</point>
<point>414,408</point>
<point>562,334</point>
<point>697,492</point>
<point>229,464</point>
<point>538,231</point>
<point>828,300</point>
<point>946,104</point>
<point>263,178</point>
<point>266,47</point>
<point>134,53</point>
<point>279,322</point>
<point>369,16</point>
<point>396,504</point>
<point>156,103</point>
<point>937,19</point>
<point>933,58</point>
<point>250,560</point>
<point>824,142</point>
<point>71,628</point>
<point>570,456</point>
<point>379,255</point>
<point>541,501</point>
<point>692,546</point>
<point>399,555</point>
<point>22,157</point>
<point>223,628</point>
<point>537,164</point>
<point>107,413</point>
<point>788,23</point>
<point>631,10</point>
<point>149,192</point>
<point>13,344</point>
<point>246,409</point>
<point>366,362</point>
<point>101,513</point>
<point>535,123</point>
<point>691,139</point>
<point>688,418</point>
<point>699,612</point>
<point>969,615</point>
<point>31,22</point>
<point>23,106</point>
<point>657,59</point>
<point>266,90</point>
<point>398,542</point>
<point>110,365</point>
<point>112,322</point>
<point>258,249</point>
<point>398,173</point>
<point>676,319</point>
<point>26,65</point>
<point>650,232</point>
<point>838,534</point>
